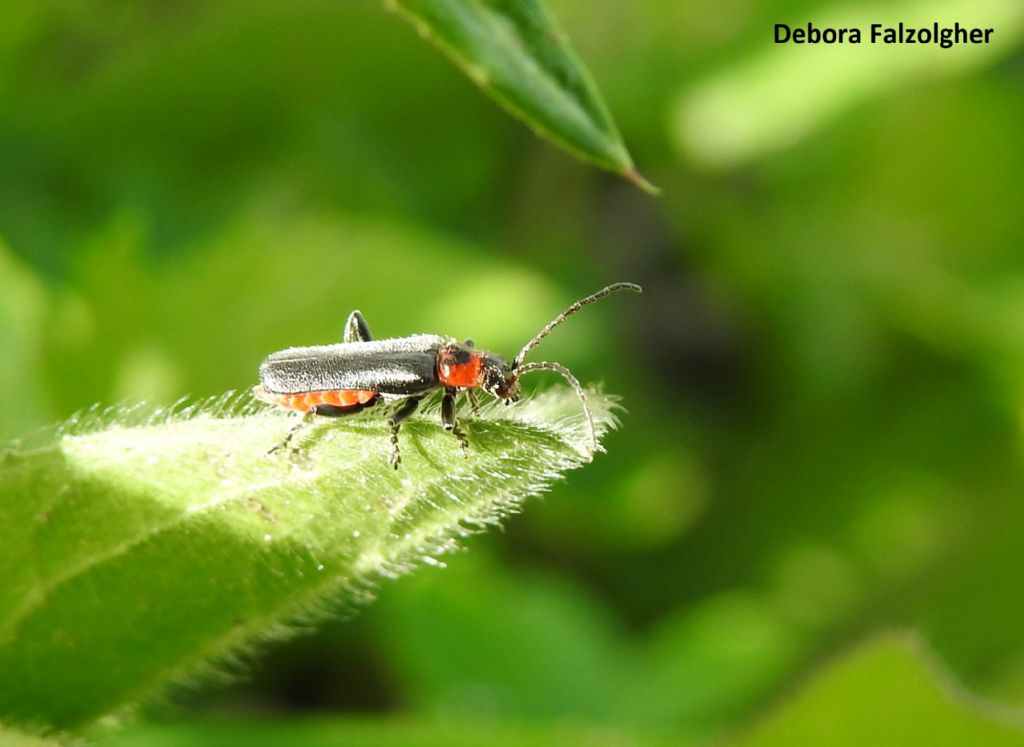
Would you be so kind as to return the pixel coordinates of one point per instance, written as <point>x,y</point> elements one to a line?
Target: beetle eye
<point>469,344</point>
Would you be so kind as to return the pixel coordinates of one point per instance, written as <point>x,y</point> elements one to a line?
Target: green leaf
<point>136,556</point>
<point>10,737</point>
<point>379,732</point>
<point>517,53</point>
<point>511,642</point>
<point>890,692</point>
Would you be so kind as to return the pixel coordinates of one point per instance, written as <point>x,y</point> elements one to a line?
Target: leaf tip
<point>635,177</point>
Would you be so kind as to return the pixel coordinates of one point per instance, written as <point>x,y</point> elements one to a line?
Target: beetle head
<point>499,378</point>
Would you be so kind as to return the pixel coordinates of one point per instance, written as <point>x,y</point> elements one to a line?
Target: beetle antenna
<point>575,384</point>
<point>567,313</point>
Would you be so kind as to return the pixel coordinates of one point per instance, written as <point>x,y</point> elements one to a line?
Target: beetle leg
<point>449,420</point>
<point>356,329</point>
<point>404,410</point>
<point>306,420</point>
<point>324,411</point>
<point>474,404</point>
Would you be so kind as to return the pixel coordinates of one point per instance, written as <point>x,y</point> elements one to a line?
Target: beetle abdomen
<point>347,399</point>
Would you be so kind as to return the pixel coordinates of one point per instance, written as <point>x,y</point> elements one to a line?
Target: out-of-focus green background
<point>823,382</point>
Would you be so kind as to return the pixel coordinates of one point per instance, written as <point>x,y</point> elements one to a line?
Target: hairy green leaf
<point>517,53</point>
<point>137,555</point>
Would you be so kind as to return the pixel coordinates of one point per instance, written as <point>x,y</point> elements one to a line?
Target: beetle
<point>360,372</point>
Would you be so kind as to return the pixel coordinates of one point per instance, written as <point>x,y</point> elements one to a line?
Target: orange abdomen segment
<point>306,401</point>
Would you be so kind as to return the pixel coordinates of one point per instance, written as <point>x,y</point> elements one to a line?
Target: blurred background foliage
<point>823,379</point>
